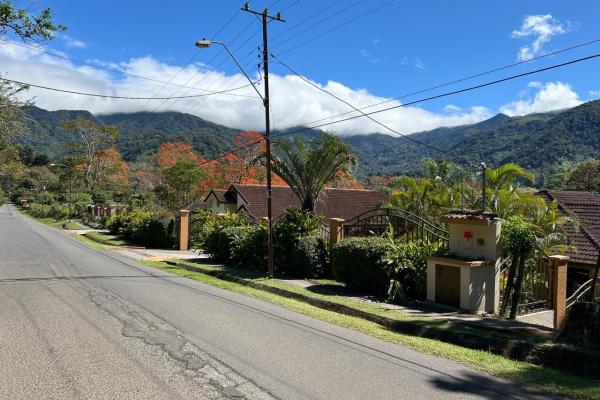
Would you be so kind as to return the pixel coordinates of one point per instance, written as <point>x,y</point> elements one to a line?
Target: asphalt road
<point>77,323</point>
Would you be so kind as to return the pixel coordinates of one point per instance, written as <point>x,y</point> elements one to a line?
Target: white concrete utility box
<point>468,278</point>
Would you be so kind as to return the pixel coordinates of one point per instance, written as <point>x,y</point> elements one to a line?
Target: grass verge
<point>108,240</point>
<point>58,224</point>
<point>547,379</point>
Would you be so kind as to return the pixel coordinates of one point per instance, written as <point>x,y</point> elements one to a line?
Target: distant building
<point>252,199</point>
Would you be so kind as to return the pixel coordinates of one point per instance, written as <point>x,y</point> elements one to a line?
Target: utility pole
<point>483,198</point>
<point>265,19</point>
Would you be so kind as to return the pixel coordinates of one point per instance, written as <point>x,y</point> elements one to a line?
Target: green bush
<point>212,240</point>
<point>146,228</point>
<point>407,268</point>
<point>47,198</point>
<point>361,263</point>
<point>302,257</point>
<point>114,224</point>
<point>56,211</point>
<point>249,247</point>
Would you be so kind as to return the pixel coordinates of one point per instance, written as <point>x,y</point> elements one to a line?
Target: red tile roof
<point>585,207</point>
<point>334,203</point>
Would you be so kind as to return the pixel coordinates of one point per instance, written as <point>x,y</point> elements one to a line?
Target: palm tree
<point>308,167</point>
<point>505,178</point>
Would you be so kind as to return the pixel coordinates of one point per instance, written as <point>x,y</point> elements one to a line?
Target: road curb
<point>556,356</point>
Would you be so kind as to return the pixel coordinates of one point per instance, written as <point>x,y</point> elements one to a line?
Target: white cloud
<point>541,28</point>
<point>294,102</point>
<point>451,108</point>
<point>595,93</point>
<point>72,42</point>
<point>550,96</point>
<point>419,64</point>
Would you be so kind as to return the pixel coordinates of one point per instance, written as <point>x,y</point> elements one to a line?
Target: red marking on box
<point>468,235</point>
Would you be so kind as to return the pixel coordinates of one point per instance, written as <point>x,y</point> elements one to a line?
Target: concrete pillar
<point>336,230</point>
<point>559,288</point>
<point>184,230</point>
<point>112,210</point>
<point>96,211</point>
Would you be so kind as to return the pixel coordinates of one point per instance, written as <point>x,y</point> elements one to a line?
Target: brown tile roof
<point>585,207</point>
<point>219,194</point>
<point>334,203</point>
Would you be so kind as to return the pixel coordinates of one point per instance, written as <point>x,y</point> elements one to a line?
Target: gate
<point>536,294</point>
<point>405,225</point>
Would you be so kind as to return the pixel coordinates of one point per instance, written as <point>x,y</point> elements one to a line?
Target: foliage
<point>214,241</point>
<point>147,228</point>
<point>585,176</point>
<point>179,183</point>
<point>304,257</point>
<point>249,247</point>
<point>56,211</point>
<point>308,167</point>
<point>26,26</point>
<point>518,241</point>
<point>93,142</point>
<point>360,262</point>
<point>407,268</point>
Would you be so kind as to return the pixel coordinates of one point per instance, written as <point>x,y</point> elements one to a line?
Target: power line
<point>467,89</point>
<point>337,27</point>
<point>441,85</point>
<point>357,109</point>
<point>100,66</point>
<point>119,97</point>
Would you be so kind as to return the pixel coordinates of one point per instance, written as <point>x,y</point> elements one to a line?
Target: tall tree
<point>585,176</point>
<point>91,140</point>
<point>308,167</point>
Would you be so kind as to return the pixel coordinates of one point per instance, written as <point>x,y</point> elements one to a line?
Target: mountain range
<point>540,142</point>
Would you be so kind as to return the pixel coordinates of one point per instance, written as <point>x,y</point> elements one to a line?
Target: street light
<point>70,194</point>
<point>205,43</point>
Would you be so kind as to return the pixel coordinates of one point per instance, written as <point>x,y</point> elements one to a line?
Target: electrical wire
<point>119,97</point>
<point>441,85</point>
<point>342,25</point>
<point>463,90</point>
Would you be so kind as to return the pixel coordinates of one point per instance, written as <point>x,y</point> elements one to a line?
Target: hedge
<point>303,257</point>
<point>146,228</point>
<point>360,263</point>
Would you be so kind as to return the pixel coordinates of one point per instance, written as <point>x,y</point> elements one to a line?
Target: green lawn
<point>109,240</point>
<point>59,224</point>
<point>550,380</point>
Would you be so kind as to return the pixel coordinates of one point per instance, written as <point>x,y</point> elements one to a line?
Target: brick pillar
<point>184,230</point>
<point>559,288</point>
<point>112,210</point>
<point>336,231</point>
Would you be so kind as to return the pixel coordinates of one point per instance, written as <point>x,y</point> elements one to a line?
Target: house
<point>252,200</point>
<point>584,207</point>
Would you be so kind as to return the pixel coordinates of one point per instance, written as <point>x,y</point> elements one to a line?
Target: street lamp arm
<point>206,43</point>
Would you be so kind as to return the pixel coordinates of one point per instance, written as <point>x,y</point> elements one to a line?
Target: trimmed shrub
<point>114,224</point>
<point>302,257</point>
<point>39,210</point>
<point>249,248</point>
<point>147,228</point>
<point>212,239</point>
<point>361,263</point>
<point>219,242</point>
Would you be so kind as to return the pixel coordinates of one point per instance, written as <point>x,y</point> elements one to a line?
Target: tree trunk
<point>517,289</point>
<point>509,283</point>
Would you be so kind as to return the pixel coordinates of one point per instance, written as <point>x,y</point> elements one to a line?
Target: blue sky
<point>402,47</point>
